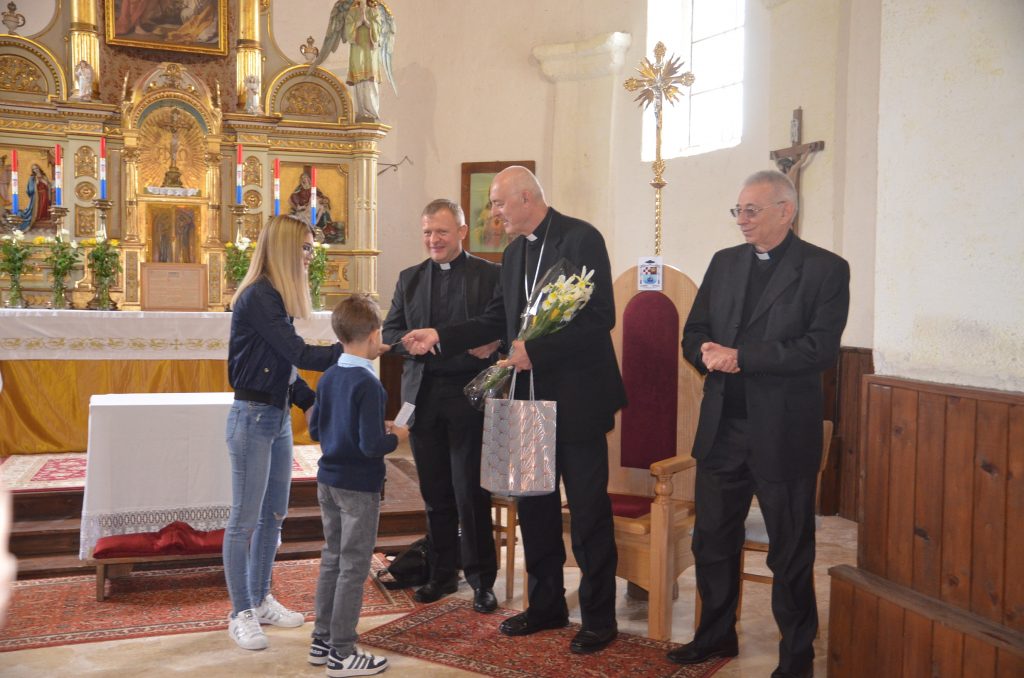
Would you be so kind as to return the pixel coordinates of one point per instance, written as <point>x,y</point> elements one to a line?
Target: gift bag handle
<point>512,386</point>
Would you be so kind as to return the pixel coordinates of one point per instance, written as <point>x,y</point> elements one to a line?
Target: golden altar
<point>170,129</point>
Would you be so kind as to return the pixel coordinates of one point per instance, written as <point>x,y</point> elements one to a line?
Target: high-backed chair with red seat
<point>650,469</point>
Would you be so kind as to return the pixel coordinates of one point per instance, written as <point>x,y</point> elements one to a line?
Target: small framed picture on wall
<point>486,237</point>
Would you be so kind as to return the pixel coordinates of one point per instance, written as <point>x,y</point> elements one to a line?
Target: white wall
<point>950,255</point>
<point>469,91</point>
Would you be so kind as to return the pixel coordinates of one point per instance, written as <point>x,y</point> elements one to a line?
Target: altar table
<point>51,362</point>
<point>155,458</point>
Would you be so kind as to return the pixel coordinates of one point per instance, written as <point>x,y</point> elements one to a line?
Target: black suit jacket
<point>576,366</point>
<point>410,309</point>
<point>791,338</point>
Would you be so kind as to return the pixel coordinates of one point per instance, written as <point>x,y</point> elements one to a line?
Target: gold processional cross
<point>659,81</point>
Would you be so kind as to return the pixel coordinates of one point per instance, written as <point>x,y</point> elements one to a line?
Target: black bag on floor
<point>409,568</point>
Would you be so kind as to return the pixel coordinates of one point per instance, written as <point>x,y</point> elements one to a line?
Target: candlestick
<point>103,206</point>
<point>277,186</point>
<point>58,175</point>
<point>239,212</point>
<point>14,180</point>
<point>238,175</point>
<point>103,168</point>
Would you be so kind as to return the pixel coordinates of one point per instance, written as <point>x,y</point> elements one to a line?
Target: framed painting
<point>486,237</point>
<point>331,197</point>
<point>196,26</point>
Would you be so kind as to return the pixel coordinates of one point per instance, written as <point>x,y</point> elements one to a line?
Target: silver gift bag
<point>518,456</point>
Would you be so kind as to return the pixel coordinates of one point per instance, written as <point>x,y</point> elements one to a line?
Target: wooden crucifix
<point>791,160</point>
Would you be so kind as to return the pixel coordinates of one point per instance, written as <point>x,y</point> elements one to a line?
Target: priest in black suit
<point>765,324</point>
<point>577,368</point>
<point>450,286</point>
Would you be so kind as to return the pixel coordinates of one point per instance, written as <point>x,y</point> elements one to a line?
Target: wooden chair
<point>504,522</point>
<point>757,533</point>
<point>651,472</point>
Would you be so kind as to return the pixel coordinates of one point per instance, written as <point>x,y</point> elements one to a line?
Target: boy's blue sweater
<point>348,420</point>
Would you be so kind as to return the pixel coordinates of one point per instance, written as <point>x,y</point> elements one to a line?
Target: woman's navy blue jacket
<point>263,347</point>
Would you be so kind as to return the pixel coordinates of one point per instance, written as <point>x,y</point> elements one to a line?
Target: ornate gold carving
<point>85,191</point>
<point>86,163</point>
<point>29,126</point>
<point>252,138</point>
<point>46,59</point>
<point>252,226</point>
<point>85,222</point>
<point>280,90</point>
<point>18,74</point>
<point>155,139</point>
<point>252,199</point>
<point>252,171</point>
<point>310,99</point>
<point>131,283</point>
<point>93,127</point>
<point>312,145</point>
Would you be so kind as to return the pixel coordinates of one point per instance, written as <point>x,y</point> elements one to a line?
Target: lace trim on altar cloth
<point>95,527</point>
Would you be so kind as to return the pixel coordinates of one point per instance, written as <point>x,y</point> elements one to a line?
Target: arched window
<point>708,36</point>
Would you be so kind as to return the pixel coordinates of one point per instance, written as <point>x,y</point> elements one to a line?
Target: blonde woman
<point>263,355</point>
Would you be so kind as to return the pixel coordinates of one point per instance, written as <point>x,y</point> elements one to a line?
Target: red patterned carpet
<point>64,611</point>
<point>451,633</point>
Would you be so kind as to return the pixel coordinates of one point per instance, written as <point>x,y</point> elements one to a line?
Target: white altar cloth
<point>154,458</point>
<point>40,334</point>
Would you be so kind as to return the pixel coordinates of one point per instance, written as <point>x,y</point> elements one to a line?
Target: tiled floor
<point>214,654</point>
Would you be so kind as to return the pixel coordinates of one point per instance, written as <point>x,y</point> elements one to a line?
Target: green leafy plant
<point>317,273</point>
<point>238,256</point>
<point>14,254</point>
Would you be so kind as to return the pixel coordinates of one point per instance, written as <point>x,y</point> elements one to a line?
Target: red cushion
<point>178,538</point>
<point>630,505</point>
<point>650,371</point>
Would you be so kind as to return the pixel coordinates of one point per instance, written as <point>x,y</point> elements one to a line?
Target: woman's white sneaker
<point>245,630</point>
<point>272,612</point>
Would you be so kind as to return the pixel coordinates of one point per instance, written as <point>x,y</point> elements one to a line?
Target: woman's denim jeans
<point>259,441</point>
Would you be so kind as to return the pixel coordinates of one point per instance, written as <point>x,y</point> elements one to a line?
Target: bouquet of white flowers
<point>557,298</point>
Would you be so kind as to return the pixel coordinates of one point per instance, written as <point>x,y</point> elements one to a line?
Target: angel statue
<point>369,28</point>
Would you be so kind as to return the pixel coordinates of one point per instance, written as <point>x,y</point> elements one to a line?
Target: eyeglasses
<point>750,212</point>
<point>307,248</point>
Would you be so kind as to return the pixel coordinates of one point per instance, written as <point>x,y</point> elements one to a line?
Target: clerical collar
<point>454,263</point>
<point>540,231</point>
<point>777,251</point>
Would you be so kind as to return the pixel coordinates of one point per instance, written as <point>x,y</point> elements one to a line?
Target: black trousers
<point>725,484</point>
<point>583,468</point>
<point>445,438</point>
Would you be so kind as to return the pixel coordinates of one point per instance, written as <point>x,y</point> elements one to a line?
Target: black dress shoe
<point>692,653</point>
<point>521,625</point>
<point>586,641</point>
<point>484,600</point>
<point>805,672</point>
<point>435,590</point>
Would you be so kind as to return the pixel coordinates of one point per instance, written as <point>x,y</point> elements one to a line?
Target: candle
<point>238,175</point>
<point>277,186</point>
<point>14,181</point>
<point>103,168</point>
<point>312,196</point>
<point>58,174</point>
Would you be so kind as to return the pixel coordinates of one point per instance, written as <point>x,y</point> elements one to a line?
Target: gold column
<point>84,39</point>
<point>131,183</point>
<point>249,58</point>
<point>213,160</point>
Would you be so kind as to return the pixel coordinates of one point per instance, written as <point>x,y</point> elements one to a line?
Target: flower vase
<point>103,301</point>
<point>59,301</point>
<point>14,296</point>
<point>317,300</point>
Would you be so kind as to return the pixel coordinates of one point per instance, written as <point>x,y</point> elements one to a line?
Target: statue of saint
<point>252,95</point>
<point>83,81</point>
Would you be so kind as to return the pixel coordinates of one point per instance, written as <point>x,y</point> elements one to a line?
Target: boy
<point>348,420</point>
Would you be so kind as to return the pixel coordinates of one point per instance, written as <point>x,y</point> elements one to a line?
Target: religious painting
<point>196,26</point>
<point>173,233</point>
<point>36,190</point>
<point>486,237</point>
<point>331,198</point>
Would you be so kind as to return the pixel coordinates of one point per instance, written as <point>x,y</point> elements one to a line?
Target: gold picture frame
<point>486,236</point>
<point>155,25</point>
